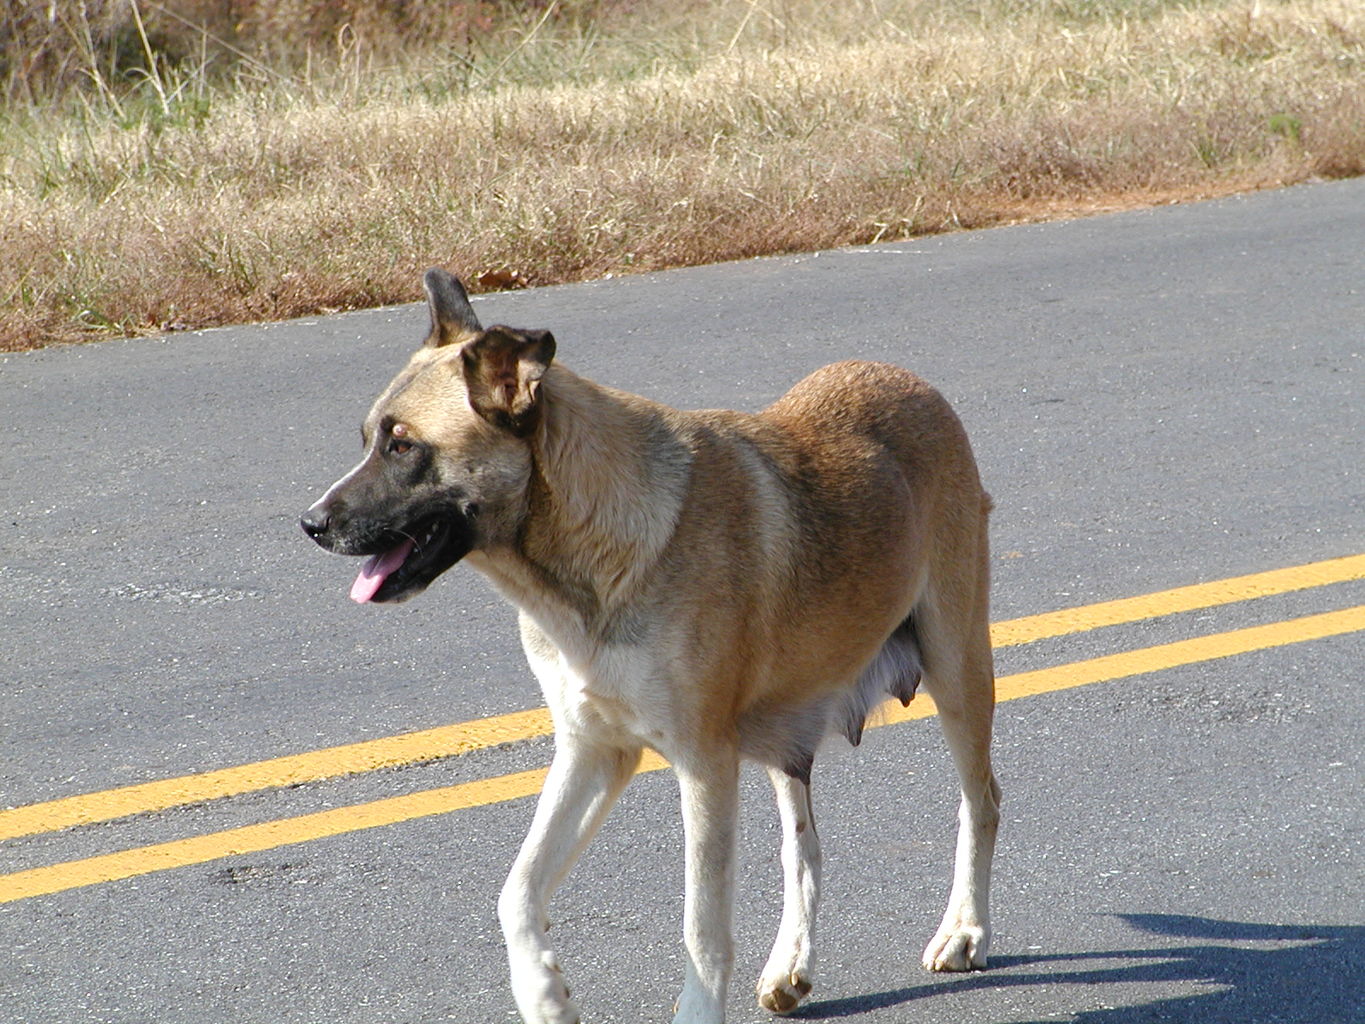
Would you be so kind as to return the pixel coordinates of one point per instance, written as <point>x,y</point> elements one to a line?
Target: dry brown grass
<point>575,149</point>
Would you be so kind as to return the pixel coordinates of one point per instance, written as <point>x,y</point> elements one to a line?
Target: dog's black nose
<point>315,522</point>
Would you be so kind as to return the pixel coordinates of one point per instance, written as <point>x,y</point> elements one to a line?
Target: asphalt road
<point>1157,399</point>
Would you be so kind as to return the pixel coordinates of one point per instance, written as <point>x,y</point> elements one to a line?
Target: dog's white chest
<point>607,689</point>
<point>621,691</point>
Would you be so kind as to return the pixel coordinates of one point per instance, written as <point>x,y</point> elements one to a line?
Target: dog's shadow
<point>1315,976</point>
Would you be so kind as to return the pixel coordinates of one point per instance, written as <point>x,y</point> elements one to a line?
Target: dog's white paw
<point>695,1006</point>
<point>556,1008</point>
<point>958,948</point>
<point>782,993</point>
<point>542,997</point>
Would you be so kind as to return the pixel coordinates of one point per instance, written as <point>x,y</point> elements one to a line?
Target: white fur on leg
<point>964,937</point>
<point>710,796</point>
<point>788,976</point>
<point>584,781</point>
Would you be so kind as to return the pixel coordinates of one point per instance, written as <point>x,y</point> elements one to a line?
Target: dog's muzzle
<point>403,557</point>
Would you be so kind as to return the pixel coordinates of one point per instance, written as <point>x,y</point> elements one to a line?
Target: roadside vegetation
<point>182,164</point>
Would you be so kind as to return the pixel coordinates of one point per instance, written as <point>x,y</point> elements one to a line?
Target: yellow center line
<point>466,737</point>
<point>1181,599</point>
<point>313,766</point>
<point>1162,657</point>
<point>289,831</point>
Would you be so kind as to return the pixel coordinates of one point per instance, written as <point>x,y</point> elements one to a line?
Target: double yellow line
<point>453,740</point>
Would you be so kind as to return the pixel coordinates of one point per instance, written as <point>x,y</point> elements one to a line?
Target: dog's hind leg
<point>584,780</point>
<point>965,933</point>
<point>959,676</point>
<point>787,978</point>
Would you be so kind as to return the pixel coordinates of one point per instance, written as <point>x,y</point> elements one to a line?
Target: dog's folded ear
<point>502,371</point>
<point>452,317</point>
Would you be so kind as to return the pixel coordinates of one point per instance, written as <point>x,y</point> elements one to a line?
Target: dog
<point>711,585</point>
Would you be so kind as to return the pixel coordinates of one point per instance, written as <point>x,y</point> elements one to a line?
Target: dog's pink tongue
<point>376,570</point>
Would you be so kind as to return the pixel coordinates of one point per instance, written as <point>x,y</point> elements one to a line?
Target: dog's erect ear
<point>452,317</point>
<point>502,370</point>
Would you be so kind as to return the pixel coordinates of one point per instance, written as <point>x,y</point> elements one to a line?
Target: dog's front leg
<point>584,780</point>
<point>710,796</point>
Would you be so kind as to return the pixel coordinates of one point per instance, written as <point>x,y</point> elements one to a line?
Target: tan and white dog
<point>711,585</point>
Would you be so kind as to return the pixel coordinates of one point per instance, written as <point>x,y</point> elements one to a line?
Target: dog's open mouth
<point>412,562</point>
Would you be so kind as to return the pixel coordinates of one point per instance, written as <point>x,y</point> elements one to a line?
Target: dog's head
<point>447,458</point>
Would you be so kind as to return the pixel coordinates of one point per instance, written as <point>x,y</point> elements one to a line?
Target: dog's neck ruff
<point>608,479</point>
